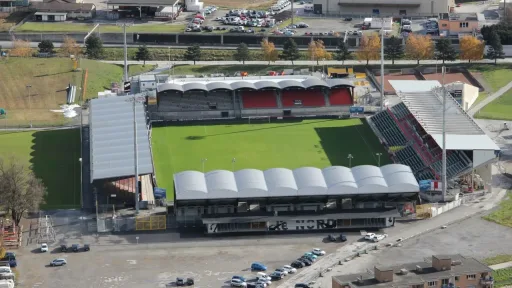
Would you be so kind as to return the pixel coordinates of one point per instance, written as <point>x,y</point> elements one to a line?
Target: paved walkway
<point>501,265</point>
<point>473,110</point>
<point>304,62</point>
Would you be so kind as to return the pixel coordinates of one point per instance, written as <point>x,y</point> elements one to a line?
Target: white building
<point>383,7</point>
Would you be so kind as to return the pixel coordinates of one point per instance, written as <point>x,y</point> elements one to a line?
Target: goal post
<point>258,119</point>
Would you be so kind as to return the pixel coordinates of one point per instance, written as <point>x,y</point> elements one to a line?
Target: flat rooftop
<point>459,16</point>
<point>416,276</point>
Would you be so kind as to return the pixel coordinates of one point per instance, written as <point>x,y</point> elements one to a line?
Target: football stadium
<point>273,153</point>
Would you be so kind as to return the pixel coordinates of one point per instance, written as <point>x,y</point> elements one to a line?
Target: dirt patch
<point>240,3</point>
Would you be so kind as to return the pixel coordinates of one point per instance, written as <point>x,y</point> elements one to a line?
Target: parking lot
<point>117,261</point>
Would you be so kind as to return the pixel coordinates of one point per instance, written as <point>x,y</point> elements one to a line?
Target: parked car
<point>310,255</point>
<point>343,238</point>
<point>190,281</point>
<point>301,285</point>
<point>261,275</point>
<point>305,261</point>
<point>180,281</point>
<point>282,270</point>
<point>63,248</point>
<point>11,258</point>
<point>331,238</point>
<point>369,236</point>
<point>239,278</point>
<point>256,266</point>
<point>318,252</point>
<point>238,283</point>
<point>276,275</point>
<point>289,269</point>
<point>302,25</point>
<point>266,282</point>
<point>87,247</point>
<point>75,247</point>
<point>58,262</point>
<point>297,264</point>
<point>44,247</point>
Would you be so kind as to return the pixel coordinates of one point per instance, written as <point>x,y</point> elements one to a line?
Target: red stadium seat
<point>304,98</point>
<point>259,99</point>
<point>340,96</point>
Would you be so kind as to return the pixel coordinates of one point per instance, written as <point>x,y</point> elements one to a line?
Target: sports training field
<point>316,143</point>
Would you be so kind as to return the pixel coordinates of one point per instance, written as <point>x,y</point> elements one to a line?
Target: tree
<point>21,48</point>
<point>394,49</point>
<point>341,53</point>
<point>143,54</point>
<point>316,51</point>
<point>445,50</point>
<point>45,46</point>
<point>242,53</point>
<point>290,50</point>
<point>70,47</point>
<point>369,48</point>
<point>94,47</point>
<point>193,53</point>
<point>419,47</point>
<point>269,51</point>
<point>20,190</point>
<point>471,48</point>
<point>495,50</point>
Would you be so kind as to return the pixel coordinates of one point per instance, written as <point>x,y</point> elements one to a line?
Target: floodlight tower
<point>443,89</point>
<point>125,24</point>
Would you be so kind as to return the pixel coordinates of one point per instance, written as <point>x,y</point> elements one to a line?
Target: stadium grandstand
<point>241,97</point>
<point>111,129</point>
<point>412,130</point>
<point>306,198</point>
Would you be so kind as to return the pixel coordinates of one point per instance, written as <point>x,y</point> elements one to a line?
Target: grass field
<point>8,20</point>
<point>502,277</point>
<point>315,143</point>
<point>503,215</point>
<point>80,27</point>
<point>53,156</point>
<point>496,77</point>
<point>49,79</point>
<point>498,259</point>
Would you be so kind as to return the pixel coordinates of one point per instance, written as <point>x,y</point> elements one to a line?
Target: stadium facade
<point>306,198</point>
<point>242,97</point>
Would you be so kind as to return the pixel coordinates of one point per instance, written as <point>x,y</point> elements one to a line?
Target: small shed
<point>50,16</point>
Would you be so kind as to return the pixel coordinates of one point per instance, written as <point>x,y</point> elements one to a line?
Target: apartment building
<point>453,24</point>
<point>442,271</point>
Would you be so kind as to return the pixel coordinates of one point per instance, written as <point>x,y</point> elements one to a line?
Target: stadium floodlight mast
<point>125,24</point>
<point>136,99</point>
<point>443,89</point>
<point>350,157</point>
<point>378,158</point>
<point>382,67</point>
<point>203,160</point>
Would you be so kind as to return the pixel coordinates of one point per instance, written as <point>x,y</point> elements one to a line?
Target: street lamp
<point>350,157</point>
<point>125,24</point>
<point>378,161</point>
<point>136,99</point>
<point>203,160</point>
<point>233,161</point>
<point>29,105</point>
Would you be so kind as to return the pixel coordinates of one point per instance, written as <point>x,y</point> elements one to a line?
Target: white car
<point>369,236</point>
<point>282,270</point>
<point>290,269</point>
<point>264,282</point>
<point>58,262</point>
<point>261,275</point>
<point>238,283</point>
<point>318,251</point>
<point>379,237</point>
<point>44,247</point>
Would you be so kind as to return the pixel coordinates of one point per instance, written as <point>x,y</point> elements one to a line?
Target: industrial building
<point>306,198</point>
<point>383,7</point>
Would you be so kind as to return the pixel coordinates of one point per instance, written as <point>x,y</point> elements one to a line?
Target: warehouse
<point>383,7</point>
<point>306,198</point>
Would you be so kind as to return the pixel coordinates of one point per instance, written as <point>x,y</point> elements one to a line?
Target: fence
<point>148,223</point>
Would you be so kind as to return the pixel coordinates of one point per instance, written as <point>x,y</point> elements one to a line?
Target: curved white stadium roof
<point>305,181</point>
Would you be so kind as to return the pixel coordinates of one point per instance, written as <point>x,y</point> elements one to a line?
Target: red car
<point>458,5</point>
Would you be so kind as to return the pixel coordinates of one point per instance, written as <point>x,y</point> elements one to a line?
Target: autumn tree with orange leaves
<point>369,48</point>
<point>269,51</point>
<point>70,47</point>
<point>316,51</point>
<point>471,48</point>
<point>419,47</point>
<point>21,48</point>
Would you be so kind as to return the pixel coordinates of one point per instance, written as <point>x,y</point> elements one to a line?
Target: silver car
<point>58,262</point>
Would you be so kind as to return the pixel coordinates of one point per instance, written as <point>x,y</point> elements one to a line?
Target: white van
<point>276,8</point>
<point>261,275</point>
<point>308,7</point>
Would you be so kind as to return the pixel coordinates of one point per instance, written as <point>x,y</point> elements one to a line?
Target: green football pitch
<point>315,143</point>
